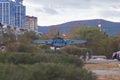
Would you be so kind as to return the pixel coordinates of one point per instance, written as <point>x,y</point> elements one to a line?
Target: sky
<point>52,12</point>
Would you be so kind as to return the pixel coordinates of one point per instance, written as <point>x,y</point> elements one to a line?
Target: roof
<point>16,3</point>
<point>4,0</point>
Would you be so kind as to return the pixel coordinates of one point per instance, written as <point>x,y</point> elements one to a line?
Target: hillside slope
<point>111,28</point>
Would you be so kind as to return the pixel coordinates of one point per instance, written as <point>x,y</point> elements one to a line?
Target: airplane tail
<point>58,34</point>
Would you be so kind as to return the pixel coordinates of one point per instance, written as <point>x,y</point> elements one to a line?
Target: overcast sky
<point>51,12</point>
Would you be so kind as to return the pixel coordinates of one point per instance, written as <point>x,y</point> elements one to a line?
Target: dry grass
<point>109,77</point>
<point>107,66</point>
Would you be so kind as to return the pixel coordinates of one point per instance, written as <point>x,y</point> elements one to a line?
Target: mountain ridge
<point>111,28</point>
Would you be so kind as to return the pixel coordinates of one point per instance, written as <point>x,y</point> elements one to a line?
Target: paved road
<point>106,72</point>
<point>98,61</point>
<point>104,61</point>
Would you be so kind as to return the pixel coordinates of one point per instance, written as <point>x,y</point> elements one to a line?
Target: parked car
<point>100,57</point>
<point>116,55</point>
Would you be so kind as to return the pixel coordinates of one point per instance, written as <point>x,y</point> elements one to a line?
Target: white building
<point>31,23</point>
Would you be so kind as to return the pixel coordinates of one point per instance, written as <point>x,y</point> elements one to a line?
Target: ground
<point>112,66</point>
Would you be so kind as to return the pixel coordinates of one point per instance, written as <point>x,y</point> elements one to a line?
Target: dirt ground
<point>109,77</point>
<point>106,66</point>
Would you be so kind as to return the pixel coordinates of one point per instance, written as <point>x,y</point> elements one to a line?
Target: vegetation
<point>27,61</point>
<point>44,66</point>
<point>73,50</point>
<point>30,58</point>
<point>44,71</point>
<point>98,42</point>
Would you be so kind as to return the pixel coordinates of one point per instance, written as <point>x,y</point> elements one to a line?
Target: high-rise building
<point>20,1</point>
<point>20,14</point>
<point>12,13</point>
<point>31,23</point>
<point>5,12</point>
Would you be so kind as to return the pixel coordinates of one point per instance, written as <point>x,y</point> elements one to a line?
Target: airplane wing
<point>70,42</point>
<point>43,41</point>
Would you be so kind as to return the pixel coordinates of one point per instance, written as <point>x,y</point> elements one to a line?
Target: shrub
<point>30,58</point>
<point>44,71</point>
<point>42,66</point>
<point>74,50</point>
<point>13,72</point>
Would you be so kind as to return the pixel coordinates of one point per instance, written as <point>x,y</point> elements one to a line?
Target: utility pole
<point>1,33</point>
<point>100,26</point>
<point>2,46</point>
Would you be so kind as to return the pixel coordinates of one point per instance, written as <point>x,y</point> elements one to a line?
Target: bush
<point>20,47</point>
<point>30,58</point>
<point>13,72</point>
<point>44,71</point>
<point>27,48</point>
<point>42,66</point>
<point>60,72</point>
<point>74,50</point>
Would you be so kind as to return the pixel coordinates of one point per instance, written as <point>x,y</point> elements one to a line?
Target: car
<point>100,57</point>
<point>116,55</point>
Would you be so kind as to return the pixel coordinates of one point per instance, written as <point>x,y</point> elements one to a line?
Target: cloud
<point>46,10</point>
<point>60,11</point>
<point>62,3</point>
<point>75,3</point>
<point>110,13</point>
<point>116,6</point>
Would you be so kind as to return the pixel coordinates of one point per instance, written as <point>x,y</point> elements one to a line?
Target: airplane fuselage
<point>58,42</point>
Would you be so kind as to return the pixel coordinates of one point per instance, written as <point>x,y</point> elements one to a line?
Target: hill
<point>111,28</point>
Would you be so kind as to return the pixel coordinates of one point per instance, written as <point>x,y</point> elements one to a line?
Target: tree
<point>97,41</point>
<point>27,37</point>
<point>9,35</point>
<point>53,32</point>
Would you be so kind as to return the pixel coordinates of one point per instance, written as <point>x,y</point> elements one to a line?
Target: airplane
<point>59,42</point>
